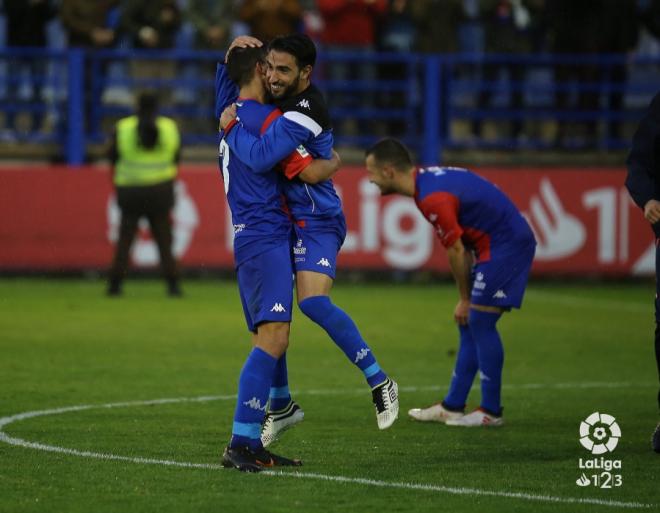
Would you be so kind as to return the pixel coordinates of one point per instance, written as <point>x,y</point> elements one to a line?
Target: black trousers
<point>155,203</point>
<point>657,308</point>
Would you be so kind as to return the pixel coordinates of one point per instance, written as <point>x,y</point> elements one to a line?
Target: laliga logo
<point>599,433</point>
<point>144,251</point>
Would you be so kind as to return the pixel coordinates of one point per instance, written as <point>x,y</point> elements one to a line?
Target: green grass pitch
<point>572,350</point>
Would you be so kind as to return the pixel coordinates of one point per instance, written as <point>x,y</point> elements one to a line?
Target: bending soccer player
<point>470,216</point>
<point>262,232</point>
<point>320,226</point>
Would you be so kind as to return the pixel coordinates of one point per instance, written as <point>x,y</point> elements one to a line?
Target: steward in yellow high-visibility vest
<point>145,155</point>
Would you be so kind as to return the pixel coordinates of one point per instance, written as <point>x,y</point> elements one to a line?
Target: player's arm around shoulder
<point>320,170</point>
<point>262,153</point>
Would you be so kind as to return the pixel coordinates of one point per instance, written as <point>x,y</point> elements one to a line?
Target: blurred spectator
<point>152,25</point>
<point>396,33</point>
<point>270,18</point>
<point>599,26</point>
<point>437,25</point>
<point>350,25</point>
<point>617,34</point>
<point>508,25</point>
<point>26,27</point>
<point>87,23</point>
<point>212,21</point>
<point>90,25</point>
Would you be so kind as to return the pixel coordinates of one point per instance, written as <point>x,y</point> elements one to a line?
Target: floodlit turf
<point>571,351</point>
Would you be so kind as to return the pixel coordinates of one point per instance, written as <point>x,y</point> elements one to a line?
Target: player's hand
<point>652,211</point>
<point>243,42</point>
<point>228,115</point>
<point>336,160</point>
<point>462,311</point>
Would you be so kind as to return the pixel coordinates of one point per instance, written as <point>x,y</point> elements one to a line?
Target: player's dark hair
<point>391,151</point>
<point>299,45</point>
<point>147,110</point>
<point>241,63</point>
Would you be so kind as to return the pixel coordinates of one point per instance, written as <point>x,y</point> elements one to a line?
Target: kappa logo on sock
<point>277,307</point>
<point>323,262</point>
<point>255,404</point>
<point>361,354</point>
<point>483,377</point>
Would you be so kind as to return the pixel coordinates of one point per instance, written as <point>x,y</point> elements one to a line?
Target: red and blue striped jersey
<point>462,205</point>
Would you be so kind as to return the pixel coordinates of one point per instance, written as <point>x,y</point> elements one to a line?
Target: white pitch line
<point>461,491</point>
<point>19,442</point>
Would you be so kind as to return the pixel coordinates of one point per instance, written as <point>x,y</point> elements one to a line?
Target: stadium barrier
<point>421,99</point>
<point>64,218</point>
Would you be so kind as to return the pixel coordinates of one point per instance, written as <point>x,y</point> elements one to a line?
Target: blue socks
<point>491,358</point>
<point>480,349</point>
<point>465,369</point>
<point>253,387</point>
<point>279,396</point>
<point>344,333</point>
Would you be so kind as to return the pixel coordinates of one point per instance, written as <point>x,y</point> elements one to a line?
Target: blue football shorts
<point>502,280</point>
<point>315,247</point>
<point>265,284</point>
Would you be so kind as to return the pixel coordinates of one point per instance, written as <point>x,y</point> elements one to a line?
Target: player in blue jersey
<point>490,248</point>
<point>262,233</point>
<point>320,226</point>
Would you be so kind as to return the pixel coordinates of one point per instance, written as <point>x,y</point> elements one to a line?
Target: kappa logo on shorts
<point>499,294</point>
<point>277,307</point>
<point>323,262</point>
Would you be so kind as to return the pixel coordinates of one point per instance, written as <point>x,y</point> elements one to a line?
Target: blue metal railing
<point>418,98</point>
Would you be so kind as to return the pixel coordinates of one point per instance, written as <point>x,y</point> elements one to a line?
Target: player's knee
<point>273,337</point>
<point>316,307</point>
<point>480,321</point>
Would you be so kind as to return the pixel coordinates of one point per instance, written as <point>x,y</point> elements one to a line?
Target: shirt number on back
<point>223,152</point>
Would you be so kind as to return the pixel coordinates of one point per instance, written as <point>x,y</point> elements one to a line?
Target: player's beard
<point>288,91</point>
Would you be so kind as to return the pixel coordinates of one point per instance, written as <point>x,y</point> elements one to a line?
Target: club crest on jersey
<point>299,249</point>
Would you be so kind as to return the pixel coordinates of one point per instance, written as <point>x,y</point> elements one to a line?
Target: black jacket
<point>643,181</point>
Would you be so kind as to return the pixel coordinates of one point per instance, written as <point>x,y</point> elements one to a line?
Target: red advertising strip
<point>59,218</point>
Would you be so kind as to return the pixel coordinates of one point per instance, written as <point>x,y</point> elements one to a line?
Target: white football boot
<point>386,400</point>
<point>477,418</point>
<point>434,413</point>
<point>277,422</point>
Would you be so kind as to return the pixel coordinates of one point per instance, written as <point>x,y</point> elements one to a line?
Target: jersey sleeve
<point>226,91</point>
<point>441,210</point>
<point>296,163</point>
<point>298,160</point>
<point>261,154</point>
